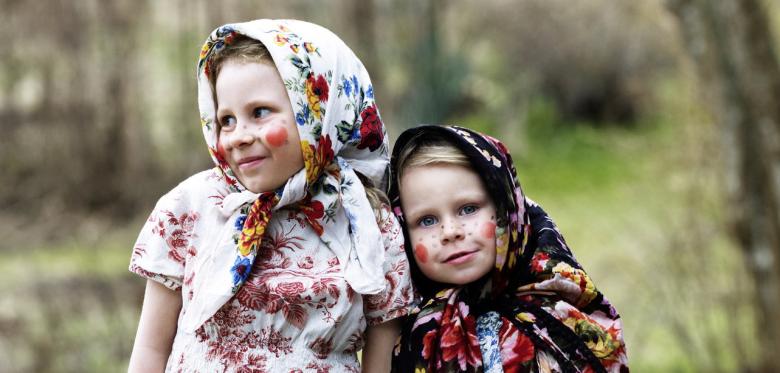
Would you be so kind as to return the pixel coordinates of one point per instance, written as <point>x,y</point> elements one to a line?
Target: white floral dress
<point>283,280</point>
<point>294,313</point>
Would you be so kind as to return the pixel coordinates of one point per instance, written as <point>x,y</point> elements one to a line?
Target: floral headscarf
<point>341,135</point>
<point>544,312</point>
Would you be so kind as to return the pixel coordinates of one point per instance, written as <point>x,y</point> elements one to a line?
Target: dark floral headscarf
<point>544,311</point>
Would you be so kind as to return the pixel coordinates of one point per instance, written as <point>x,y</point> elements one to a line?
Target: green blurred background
<point>597,99</point>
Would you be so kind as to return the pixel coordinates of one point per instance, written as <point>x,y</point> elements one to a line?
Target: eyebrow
<point>460,199</point>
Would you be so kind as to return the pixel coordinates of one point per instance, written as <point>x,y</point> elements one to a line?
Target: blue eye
<point>468,209</point>
<point>261,112</point>
<point>427,221</point>
<point>227,121</point>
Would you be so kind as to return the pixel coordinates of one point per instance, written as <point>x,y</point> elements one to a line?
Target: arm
<point>156,329</point>
<point>378,350</point>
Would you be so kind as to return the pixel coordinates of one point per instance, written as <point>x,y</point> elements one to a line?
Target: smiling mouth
<point>460,257</point>
<point>250,162</point>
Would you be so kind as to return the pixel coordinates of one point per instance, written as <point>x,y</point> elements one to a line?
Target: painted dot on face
<point>421,252</point>
<point>276,136</point>
<point>489,230</point>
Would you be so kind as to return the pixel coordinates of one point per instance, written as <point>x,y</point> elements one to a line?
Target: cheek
<point>489,230</point>
<point>276,136</point>
<point>421,252</point>
<point>220,149</point>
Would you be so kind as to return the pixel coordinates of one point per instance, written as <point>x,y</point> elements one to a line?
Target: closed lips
<point>459,254</point>
<point>247,160</point>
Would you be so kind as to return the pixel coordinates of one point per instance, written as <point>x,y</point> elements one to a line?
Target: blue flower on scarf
<point>225,30</point>
<point>355,83</point>
<point>370,92</point>
<point>240,270</point>
<point>347,87</point>
<point>240,222</point>
<point>302,116</point>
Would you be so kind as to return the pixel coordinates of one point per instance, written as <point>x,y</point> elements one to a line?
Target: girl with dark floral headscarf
<point>500,289</point>
<point>282,257</point>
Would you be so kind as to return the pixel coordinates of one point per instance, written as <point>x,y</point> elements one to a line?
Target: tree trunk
<point>731,44</point>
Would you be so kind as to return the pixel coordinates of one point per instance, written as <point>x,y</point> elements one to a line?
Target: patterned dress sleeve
<point>395,301</point>
<point>165,241</point>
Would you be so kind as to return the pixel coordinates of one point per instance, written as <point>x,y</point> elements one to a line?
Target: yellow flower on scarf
<point>315,160</point>
<point>316,92</point>
<point>205,50</point>
<point>254,225</point>
<point>526,317</point>
<point>502,246</point>
<point>597,339</point>
<point>579,278</point>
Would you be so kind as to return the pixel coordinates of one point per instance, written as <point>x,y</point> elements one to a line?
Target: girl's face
<point>451,222</point>
<point>258,135</point>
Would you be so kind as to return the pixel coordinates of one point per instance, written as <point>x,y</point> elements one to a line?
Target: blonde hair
<point>240,48</point>
<point>418,153</point>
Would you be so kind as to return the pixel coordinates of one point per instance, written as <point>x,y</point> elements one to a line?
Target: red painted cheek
<point>276,136</point>
<point>489,230</point>
<point>421,252</point>
<point>220,149</point>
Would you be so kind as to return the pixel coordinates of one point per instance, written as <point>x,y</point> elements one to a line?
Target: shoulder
<point>385,218</point>
<point>201,188</point>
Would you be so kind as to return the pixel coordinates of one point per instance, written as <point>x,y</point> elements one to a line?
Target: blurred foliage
<point>99,115</point>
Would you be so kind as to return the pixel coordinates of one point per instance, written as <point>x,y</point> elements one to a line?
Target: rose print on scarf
<point>317,158</point>
<point>517,350</point>
<point>314,211</point>
<point>317,93</point>
<point>371,131</point>
<point>458,342</point>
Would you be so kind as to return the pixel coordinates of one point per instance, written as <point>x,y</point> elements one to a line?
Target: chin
<point>260,187</point>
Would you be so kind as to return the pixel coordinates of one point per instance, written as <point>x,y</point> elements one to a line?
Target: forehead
<point>441,180</point>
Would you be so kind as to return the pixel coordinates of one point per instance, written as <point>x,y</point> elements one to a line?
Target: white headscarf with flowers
<point>341,133</point>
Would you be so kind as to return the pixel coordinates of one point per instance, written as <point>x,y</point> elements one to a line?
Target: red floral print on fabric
<point>517,350</point>
<point>255,223</point>
<point>539,262</point>
<point>317,91</point>
<point>314,211</point>
<point>458,342</point>
<point>295,284</point>
<point>316,159</point>
<point>177,231</point>
<point>290,252</point>
<point>322,347</point>
<point>371,131</point>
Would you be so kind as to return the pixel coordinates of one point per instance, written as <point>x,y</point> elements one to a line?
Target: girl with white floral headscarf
<point>276,259</point>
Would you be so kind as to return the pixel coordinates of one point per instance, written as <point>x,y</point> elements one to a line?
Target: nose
<point>451,231</point>
<point>240,136</point>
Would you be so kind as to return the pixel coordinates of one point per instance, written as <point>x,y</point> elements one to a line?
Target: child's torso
<point>295,311</point>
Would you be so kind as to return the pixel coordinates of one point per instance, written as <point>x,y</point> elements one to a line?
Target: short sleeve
<point>165,242</point>
<point>395,301</point>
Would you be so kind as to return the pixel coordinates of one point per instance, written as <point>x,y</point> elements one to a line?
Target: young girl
<point>501,290</point>
<point>280,258</point>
